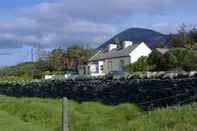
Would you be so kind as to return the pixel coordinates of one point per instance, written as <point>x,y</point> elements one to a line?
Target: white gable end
<point>104,62</point>
<point>141,50</point>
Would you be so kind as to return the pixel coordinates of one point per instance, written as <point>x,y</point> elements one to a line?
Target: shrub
<point>175,58</point>
<point>140,65</point>
<point>185,58</point>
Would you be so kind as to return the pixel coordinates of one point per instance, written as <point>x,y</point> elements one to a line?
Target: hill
<point>139,35</point>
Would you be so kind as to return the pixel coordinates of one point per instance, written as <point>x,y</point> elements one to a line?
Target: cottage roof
<point>162,50</point>
<point>116,53</point>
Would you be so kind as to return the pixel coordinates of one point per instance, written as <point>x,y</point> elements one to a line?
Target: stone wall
<point>146,92</point>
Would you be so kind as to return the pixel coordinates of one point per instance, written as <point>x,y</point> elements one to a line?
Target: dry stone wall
<point>147,91</point>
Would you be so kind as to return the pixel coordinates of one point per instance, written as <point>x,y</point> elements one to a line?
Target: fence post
<point>65,114</point>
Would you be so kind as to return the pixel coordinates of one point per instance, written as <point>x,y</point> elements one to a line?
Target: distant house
<point>113,58</point>
<point>162,51</point>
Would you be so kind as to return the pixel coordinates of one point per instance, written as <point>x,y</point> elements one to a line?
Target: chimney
<point>111,47</point>
<point>127,44</point>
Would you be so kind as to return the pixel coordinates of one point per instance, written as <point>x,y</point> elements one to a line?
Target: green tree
<point>56,59</point>
<point>154,58</point>
<point>184,58</point>
<point>167,62</point>
<point>140,65</point>
<point>184,38</point>
<point>77,55</point>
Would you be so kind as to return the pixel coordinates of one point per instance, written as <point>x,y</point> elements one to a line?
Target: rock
<point>183,74</point>
<point>192,74</point>
<point>170,75</point>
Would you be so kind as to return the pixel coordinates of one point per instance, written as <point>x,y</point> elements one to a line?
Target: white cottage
<point>113,58</point>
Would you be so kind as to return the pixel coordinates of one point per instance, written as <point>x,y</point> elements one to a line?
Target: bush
<point>175,58</point>
<point>184,58</point>
<point>140,65</point>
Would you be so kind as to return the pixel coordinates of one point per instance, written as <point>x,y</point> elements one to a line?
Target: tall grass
<point>34,114</point>
<point>92,116</point>
<point>15,78</point>
<point>44,113</point>
<point>11,123</point>
<point>177,118</point>
<point>128,117</point>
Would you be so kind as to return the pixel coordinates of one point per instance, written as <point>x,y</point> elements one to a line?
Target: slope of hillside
<point>139,35</point>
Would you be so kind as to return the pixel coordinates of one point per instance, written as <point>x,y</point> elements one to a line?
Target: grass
<point>91,116</point>
<point>15,78</point>
<point>128,117</point>
<point>33,114</point>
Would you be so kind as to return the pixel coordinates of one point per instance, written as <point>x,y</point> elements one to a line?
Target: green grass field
<point>33,114</point>
<point>29,114</point>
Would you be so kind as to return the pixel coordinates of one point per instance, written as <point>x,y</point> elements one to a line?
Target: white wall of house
<point>96,68</point>
<point>115,64</point>
<point>47,77</point>
<point>141,50</point>
<point>102,67</point>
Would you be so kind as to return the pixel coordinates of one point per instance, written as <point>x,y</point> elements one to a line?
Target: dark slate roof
<point>101,55</point>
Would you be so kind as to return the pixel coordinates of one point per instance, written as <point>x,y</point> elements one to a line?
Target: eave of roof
<point>101,55</point>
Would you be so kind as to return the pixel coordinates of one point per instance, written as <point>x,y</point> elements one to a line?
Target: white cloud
<point>49,24</point>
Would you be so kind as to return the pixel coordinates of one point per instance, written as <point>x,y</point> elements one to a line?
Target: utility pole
<point>65,115</point>
<point>32,54</point>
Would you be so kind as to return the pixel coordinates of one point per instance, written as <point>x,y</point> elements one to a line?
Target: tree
<point>193,34</point>
<point>154,58</point>
<point>167,62</point>
<point>140,65</point>
<point>183,39</point>
<point>76,55</point>
<point>174,41</point>
<point>56,59</point>
<point>158,45</point>
<point>184,58</point>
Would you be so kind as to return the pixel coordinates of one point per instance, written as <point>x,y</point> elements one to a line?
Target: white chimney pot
<point>127,44</point>
<point>112,46</point>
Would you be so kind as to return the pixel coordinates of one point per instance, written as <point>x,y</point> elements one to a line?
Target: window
<point>89,70</point>
<point>97,68</point>
<point>102,68</point>
<point>122,63</point>
<point>109,65</point>
<point>94,67</point>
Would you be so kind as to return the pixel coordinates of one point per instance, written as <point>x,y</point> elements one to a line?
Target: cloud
<point>50,24</point>
<point>101,10</point>
<point>5,53</point>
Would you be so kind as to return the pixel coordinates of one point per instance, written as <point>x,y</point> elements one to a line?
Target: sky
<point>48,24</point>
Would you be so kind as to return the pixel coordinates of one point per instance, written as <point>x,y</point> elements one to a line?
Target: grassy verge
<point>11,123</point>
<point>33,114</point>
<point>127,117</point>
<point>41,113</point>
<point>15,78</point>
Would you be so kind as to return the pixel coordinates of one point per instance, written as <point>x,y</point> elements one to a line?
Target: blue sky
<point>27,24</point>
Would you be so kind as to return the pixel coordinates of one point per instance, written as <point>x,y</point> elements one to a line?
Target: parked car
<point>116,75</point>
